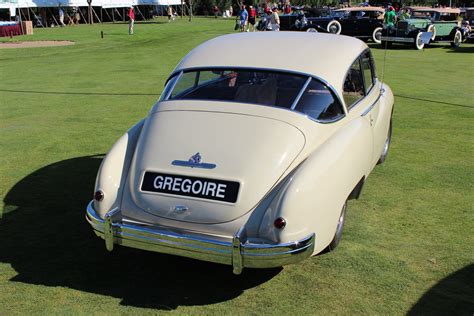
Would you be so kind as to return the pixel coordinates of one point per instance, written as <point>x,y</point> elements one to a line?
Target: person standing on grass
<point>390,17</point>
<point>61,16</point>
<point>252,19</point>
<point>275,20</point>
<point>243,15</point>
<point>131,17</point>
<point>170,13</point>
<point>287,8</point>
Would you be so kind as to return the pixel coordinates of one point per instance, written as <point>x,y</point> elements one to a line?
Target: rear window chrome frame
<point>180,72</point>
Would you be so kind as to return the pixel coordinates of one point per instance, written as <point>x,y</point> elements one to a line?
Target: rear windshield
<point>300,93</point>
<point>245,86</point>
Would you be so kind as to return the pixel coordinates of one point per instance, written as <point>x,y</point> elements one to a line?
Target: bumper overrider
<point>238,252</point>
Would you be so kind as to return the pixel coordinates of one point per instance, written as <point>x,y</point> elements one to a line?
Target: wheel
<point>340,225</point>
<point>386,146</point>
<point>312,30</point>
<point>376,35</point>
<point>432,28</point>
<point>457,39</point>
<point>334,27</point>
<point>418,42</point>
<point>386,44</point>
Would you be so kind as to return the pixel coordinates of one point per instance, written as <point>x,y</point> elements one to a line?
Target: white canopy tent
<point>7,4</point>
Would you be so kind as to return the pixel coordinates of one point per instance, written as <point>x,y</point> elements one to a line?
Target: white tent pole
<point>106,12</point>
<point>83,18</point>
<point>97,17</point>
<point>138,9</point>
<point>54,18</point>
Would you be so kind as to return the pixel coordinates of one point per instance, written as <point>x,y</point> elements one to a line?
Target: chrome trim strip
<point>174,84</point>
<point>184,163</point>
<point>237,251</point>
<point>298,97</point>
<point>368,109</point>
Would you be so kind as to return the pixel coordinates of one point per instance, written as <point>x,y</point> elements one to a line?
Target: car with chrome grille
<point>247,160</point>
<point>424,26</point>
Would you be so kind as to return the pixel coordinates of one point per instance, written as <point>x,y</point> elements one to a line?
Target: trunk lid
<point>238,152</point>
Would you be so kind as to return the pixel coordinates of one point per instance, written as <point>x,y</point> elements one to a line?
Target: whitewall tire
<point>334,27</point>
<point>376,35</point>
<point>418,42</point>
<point>432,29</point>
<point>457,39</point>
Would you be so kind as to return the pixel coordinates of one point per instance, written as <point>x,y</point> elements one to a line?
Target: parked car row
<point>362,22</point>
<point>424,25</point>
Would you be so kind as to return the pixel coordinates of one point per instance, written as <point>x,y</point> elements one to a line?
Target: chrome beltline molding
<point>238,251</point>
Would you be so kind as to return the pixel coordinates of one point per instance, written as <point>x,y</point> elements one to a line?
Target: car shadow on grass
<point>396,46</point>
<point>44,236</point>
<point>454,295</point>
<point>463,49</point>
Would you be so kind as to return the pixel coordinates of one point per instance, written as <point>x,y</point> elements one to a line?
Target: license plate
<point>204,188</point>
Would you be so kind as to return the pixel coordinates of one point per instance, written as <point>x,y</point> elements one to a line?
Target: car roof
<point>441,10</point>
<point>326,56</point>
<point>361,9</point>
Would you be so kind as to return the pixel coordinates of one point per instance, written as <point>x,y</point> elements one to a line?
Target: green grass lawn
<point>408,245</point>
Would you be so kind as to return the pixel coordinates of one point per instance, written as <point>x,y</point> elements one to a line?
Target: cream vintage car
<point>251,154</point>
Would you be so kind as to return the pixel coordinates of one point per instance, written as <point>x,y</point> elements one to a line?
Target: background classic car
<point>467,24</point>
<point>441,23</point>
<point>246,160</point>
<point>362,22</point>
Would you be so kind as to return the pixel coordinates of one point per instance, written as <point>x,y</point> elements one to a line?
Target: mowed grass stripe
<point>407,233</point>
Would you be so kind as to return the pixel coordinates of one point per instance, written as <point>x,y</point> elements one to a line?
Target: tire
<point>457,39</point>
<point>418,43</point>
<point>334,27</point>
<point>376,35</point>
<point>386,44</point>
<point>312,30</point>
<point>340,226</point>
<point>386,146</point>
<point>432,28</point>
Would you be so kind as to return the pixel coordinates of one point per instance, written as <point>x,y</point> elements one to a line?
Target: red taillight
<point>280,223</point>
<point>99,195</point>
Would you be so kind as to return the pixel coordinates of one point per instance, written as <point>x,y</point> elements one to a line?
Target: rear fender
<point>113,170</point>
<point>312,198</point>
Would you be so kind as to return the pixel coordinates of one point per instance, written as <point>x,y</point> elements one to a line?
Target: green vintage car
<point>423,25</point>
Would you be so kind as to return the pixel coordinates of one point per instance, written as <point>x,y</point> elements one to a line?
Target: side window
<point>319,103</point>
<point>353,85</point>
<point>369,78</point>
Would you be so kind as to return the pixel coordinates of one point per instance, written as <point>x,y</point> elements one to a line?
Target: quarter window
<point>353,85</point>
<point>319,103</point>
<point>369,77</point>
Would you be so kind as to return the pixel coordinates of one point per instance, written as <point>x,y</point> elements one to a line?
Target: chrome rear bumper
<point>237,252</point>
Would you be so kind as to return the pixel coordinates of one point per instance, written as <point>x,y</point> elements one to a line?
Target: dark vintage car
<point>291,22</point>
<point>424,26</point>
<point>361,22</point>
<point>467,24</point>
